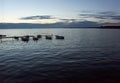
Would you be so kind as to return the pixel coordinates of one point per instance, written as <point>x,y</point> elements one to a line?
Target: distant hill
<point>110,27</point>
<point>53,25</point>
<point>86,24</point>
<point>25,25</point>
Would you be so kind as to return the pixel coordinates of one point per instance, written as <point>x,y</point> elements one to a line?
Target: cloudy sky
<point>57,11</point>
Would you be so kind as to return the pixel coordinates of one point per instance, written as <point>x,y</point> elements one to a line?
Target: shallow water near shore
<point>84,56</point>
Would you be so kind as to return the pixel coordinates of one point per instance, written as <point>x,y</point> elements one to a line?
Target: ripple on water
<point>80,58</point>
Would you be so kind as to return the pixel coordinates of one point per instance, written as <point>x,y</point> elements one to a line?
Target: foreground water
<point>85,56</point>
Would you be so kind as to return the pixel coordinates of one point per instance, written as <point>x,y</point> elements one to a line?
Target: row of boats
<point>35,38</point>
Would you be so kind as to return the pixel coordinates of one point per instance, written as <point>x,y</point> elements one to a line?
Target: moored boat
<point>59,37</point>
<point>48,37</point>
<point>35,38</point>
<point>26,39</point>
<point>2,36</point>
<point>39,36</point>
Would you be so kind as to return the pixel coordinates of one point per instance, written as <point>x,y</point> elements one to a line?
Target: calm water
<point>85,56</point>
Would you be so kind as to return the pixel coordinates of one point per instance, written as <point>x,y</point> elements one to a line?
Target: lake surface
<point>84,56</point>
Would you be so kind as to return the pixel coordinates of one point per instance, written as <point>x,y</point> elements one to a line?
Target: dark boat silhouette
<point>26,39</point>
<point>17,38</point>
<point>35,38</point>
<point>48,37</point>
<point>59,37</point>
<point>2,36</point>
<point>27,36</point>
<point>39,36</point>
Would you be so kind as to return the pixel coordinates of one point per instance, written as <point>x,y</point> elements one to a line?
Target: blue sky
<point>16,11</point>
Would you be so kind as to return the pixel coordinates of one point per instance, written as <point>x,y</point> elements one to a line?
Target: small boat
<point>2,36</point>
<point>27,36</point>
<point>48,37</point>
<point>35,38</point>
<point>59,37</point>
<point>17,38</point>
<point>25,39</point>
<point>39,36</point>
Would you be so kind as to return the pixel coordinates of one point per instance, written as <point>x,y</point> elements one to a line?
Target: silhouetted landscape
<point>55,25</point>
<point>110,27</point>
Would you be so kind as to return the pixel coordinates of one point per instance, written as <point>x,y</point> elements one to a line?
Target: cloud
<point>79,23</point>
<point>84,24</point>
<point>69,20</point>
<point>102,15</point>
<point>111,24</point>
<point>37,17</point>
<point>107,13</point>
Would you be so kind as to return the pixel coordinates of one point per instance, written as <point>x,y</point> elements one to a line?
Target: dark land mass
<point>110,27</point>
<point>56,25</point>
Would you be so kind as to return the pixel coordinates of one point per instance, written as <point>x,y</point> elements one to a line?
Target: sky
<point>57,11</point>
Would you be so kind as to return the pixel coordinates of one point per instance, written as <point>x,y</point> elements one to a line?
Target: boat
<point>2,36</point>
<point>27,36</point>
<point>17,38</point>
<point>59,37</point>
<point>48,37</point>
<point>35,38</point>
<point>26,39</point>
<point>39,36</point>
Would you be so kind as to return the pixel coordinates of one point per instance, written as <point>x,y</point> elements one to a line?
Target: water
<point>85,56</point>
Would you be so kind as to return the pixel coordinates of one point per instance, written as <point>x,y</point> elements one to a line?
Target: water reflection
<point>85,56</point>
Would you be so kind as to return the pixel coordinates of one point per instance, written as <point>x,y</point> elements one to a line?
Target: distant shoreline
<point>60,28</point>
<point>48,26</point>
<point>37,26</point>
